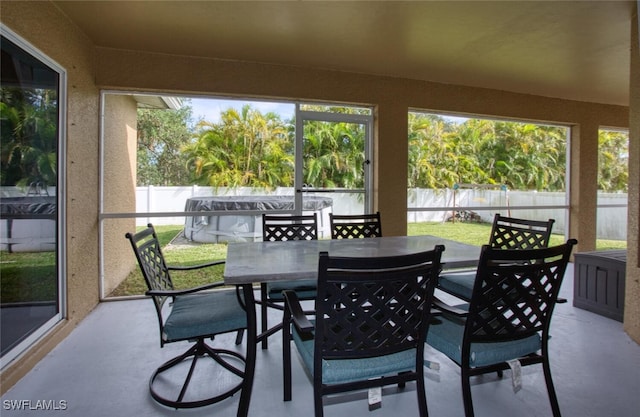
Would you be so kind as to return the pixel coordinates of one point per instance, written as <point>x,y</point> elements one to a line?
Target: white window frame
<point>20,349</point>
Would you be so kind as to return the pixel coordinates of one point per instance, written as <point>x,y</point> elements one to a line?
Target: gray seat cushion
<point>305,289</point>
<point>459,284</point>
<point>346,370</point>
<point>446,337</point>
<point>202,314</point>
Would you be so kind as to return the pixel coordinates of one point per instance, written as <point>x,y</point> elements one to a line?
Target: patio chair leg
<point>286,359</point>
<point>199,349</point>
<point>189,375</point>
<point>466,394</point>
<point>553,398</point>
<point>317,401</point>
<point>216,355</point>
<point>422,396</point>
<point>173,362</point>
<point>239,336</point>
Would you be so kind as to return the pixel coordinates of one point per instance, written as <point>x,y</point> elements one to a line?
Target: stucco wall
<point>42,25</point>
<point>632,287</point>
<point>120,142</point>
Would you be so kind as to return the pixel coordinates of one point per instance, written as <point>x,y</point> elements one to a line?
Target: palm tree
<point>467,145</point>
<point>430,154</point>
<point>613,161</point>
<point>479,151</point>
<point>245,148</point>
<point>29,136</point>
<point>527,156</point>
<point>333,155</point>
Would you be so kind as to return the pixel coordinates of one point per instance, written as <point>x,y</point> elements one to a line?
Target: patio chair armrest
<point>173,293</point>
<point>446,308</point>
<point>199,266</point>
<point>299,319</point>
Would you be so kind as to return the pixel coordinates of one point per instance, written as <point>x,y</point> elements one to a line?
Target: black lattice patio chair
<point>353,226</point>
<point>506,233</point>
<point>506,323</point>
<point>278,228</point>
<point>193,314</point>
<point>371,318</point>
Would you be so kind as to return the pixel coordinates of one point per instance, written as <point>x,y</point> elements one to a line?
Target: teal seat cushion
<point>446,337</point>
<point>458,283</point>
<point>347,370</point>
<point>305,289</point>
<point>201,314</point>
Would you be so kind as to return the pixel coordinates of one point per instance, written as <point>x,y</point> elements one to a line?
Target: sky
<point>210,109</point>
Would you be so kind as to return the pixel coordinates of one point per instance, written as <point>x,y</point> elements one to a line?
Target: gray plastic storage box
<point>599,279</point>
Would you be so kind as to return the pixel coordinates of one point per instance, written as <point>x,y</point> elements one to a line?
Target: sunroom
<point>109,50</point>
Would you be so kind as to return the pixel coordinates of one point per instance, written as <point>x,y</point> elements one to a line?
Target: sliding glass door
<point>30,229</point>
<point>334,158</point>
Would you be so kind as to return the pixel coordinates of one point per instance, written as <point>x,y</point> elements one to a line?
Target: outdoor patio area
<point>103,368</point>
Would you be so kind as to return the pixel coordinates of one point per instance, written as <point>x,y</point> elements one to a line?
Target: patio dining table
<point>257,262</point>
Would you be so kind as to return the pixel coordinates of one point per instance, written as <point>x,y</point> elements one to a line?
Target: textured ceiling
<point>566,49</point>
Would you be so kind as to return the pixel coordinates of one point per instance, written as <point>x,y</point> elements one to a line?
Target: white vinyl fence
<point>24,234</point>
<point>612,221</point>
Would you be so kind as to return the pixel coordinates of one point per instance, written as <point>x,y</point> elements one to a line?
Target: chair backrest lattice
<point>146,247</point>
<point>355,226</point>
<point>515,292</point>
<point>370,307</point>
<point>513,233</point>
<point>276,228</point>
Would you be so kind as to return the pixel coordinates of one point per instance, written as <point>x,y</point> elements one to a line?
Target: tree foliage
<point>29,132</point>
<point>248,148</point>
<point>245,149</point>
<point>252,149</point>
<point>613,161</point>
<point>333,155</point>
<point>522,156</point>
<point>161,136</point>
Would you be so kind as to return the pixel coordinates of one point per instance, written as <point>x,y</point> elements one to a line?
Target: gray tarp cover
<point>251,202</point>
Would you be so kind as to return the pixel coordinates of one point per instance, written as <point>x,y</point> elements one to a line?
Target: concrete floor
<point>102,369</point>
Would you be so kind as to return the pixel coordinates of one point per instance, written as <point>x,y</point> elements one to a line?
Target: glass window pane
<point>613,177</point>
<point>206,168</point>
<point>465,170</point>
<point>28,182</point>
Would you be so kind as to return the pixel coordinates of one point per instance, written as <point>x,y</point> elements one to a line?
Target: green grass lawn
<point>179,255</point>
<point>478,234</point>
<point>32,276</point>
<point>472,233</point>
<point>28,277</point>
